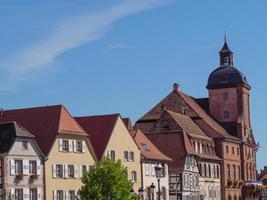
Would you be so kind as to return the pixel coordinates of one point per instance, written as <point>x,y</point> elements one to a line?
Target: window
<point>59,195</point>
<point>131,157</point>
<point>32,167</point>
<point>209,170</point>
<point>59,171</point>
<point>227,149</point>
<point>234,171</point>
<point>218,171</point>
<point>205,170</point>
<point>226,114</point>
<point>84,170</point>
<point>237,150</point>
<point>239,172</point>
<point>112,155</point>
<point>126,156</point>
<point>79,146</point>
<point>18,194</point>
<point>33,194</point>
<point>18,167</point>
<point>24,145</point>
<point>225,96</point>
<point>71,195</point>
<point>226,61</point>
<point>71,171</point>
<point>233,150</point>
<point>228,171</point>
<point>65,144</point>
<point>145,147</point>
<point>133,176</point>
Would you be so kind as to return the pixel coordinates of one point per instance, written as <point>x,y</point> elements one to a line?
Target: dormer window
<point>226,61</point>
<point>226,114</point>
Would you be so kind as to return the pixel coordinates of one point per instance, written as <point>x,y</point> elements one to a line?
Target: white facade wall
<point>149,177</point>
<point>28,180</point>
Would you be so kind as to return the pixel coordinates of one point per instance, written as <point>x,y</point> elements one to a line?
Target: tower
<point>229,96</point>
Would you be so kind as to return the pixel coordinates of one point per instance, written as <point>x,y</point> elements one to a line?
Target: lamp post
<point>152,188</point>
<point>141,192</point>
<point>159,172</point>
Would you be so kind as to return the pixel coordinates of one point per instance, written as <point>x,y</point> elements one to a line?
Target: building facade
<point>227,153</point>
<point>111,138</point>
<point>151,157</point>
<point>67,149</point>
<point>21,164</point>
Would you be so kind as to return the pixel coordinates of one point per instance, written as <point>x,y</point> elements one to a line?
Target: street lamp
<point>159,172</point>
<point>141,192</point>
<point>152,188</point>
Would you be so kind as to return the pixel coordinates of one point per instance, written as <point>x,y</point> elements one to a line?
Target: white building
<point>150,157</point>
<point>21,166</point>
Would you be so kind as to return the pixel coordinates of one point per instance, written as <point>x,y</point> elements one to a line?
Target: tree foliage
<point>106,181</point>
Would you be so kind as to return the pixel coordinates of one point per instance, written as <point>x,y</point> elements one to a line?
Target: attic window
<point>145,147</point>
<point>24,145</point>
<point>166,128</point>
<point>226,114</point>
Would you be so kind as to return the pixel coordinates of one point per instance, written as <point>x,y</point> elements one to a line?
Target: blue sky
<point>99,57</point>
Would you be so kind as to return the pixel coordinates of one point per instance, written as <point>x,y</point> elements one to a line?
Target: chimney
<point>176,87</point>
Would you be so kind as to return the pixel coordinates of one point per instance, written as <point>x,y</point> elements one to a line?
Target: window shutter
<point>54,171</point>
<point>71,145</point>
<point>65,194</point>
<point>25,193</point>
<point>88,167</point>
<point>65,171</point>
<point>12,167</point>
<point>60,145</point>
<point>81,171</point>
<point>38,170</point>
<point>54,195</point>
<point>108,154</point>
<point>75,171</point>
<point>25,167</point>
<point>83,146</point>
<point>12,193</point>
<point>74,146</point>
<point>39,193</point>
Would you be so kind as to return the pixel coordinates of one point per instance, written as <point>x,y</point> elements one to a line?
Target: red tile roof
<point>175,145</point>
<point>145,122</point>
<point>152,152</point>
<point>99,129</point>
<point>44,123</point>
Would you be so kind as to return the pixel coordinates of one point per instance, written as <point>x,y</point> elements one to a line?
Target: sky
<point>101,57</point>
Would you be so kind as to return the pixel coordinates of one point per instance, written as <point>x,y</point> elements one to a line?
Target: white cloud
<point>72,33</point>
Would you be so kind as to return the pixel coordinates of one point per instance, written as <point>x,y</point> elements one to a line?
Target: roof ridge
<point>100,115</point>
<point>31,108</point>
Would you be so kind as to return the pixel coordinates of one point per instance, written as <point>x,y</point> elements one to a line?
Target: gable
<point>121,140</point>
<point>25,147</point>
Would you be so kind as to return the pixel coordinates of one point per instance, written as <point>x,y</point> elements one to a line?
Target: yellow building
<point>110,137</point>
<point>65,145</point>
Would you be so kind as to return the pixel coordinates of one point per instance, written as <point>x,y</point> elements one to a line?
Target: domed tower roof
<point>226,75</point>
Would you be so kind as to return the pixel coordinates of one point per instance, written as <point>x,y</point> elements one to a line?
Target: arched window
<point>218,171</point>
<point>200,169</point>
<point>226,61</point>
<point>235,197</point>
<point>209,171</point>
<point>229,197</point>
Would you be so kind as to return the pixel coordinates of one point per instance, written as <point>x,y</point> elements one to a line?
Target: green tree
<point>106,181</point>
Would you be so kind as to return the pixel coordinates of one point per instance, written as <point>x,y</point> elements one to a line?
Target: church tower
<point>229,96</point>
